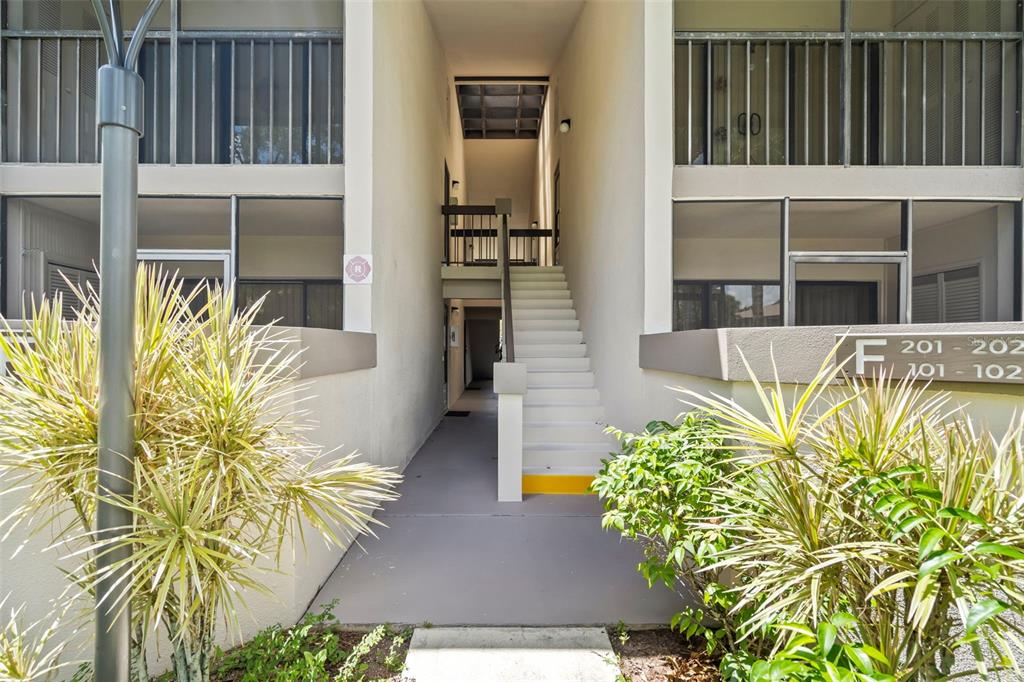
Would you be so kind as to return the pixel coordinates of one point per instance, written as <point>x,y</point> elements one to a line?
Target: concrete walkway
<point>511,655</point>
<point>452,555</point>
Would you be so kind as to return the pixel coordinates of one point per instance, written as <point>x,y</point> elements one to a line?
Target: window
<point>950,296</point>
<point>713,305</point>
<point>845,262</point>
<point>294,303</point>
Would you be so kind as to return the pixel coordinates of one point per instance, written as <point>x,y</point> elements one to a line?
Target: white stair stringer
<point>563,433</point>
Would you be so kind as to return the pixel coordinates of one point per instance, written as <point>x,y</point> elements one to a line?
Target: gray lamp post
<point>119,117</point>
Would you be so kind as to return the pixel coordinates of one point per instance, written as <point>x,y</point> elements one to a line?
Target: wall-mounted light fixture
<point>455,185</point>
<point>565,125</point>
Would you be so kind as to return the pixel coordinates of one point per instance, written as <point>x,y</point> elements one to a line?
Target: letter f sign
<point>861,356</point>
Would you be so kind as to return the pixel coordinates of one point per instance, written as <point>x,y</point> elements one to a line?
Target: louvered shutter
<point>58,285</point>
<point>961,293</point>
<point>926,299</point>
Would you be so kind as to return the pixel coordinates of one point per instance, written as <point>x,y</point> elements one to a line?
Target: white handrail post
<point>510,386</point>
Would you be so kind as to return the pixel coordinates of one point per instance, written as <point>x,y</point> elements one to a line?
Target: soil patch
<point>662,656</point>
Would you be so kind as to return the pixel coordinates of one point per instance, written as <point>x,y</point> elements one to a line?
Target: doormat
<point>457,413</point>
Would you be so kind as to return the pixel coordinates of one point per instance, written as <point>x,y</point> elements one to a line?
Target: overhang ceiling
<point>501,110</point>
<point>503,37</point>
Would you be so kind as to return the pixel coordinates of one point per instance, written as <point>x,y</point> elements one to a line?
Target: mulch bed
<point>662,656</point>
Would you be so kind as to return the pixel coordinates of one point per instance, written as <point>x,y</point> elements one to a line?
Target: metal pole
<point>120,110</point>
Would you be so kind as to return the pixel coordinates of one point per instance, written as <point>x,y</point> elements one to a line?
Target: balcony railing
<point>848,98</point>
<point>472,237</point>
<point>212,97</point>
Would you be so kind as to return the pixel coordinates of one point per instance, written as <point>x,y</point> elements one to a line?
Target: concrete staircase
<point>563,438</point>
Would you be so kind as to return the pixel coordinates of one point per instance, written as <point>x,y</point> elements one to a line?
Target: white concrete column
<point>358,112</point>
<point>510,385</point>
<point>658,162</point>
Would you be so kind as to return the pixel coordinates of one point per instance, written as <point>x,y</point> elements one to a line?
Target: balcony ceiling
<point>503,37</point>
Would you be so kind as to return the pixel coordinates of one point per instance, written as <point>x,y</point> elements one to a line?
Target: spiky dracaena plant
<point>873,497</point>
<point>224,476</point>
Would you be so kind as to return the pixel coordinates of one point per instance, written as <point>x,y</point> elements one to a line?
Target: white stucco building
<point>688,180</point>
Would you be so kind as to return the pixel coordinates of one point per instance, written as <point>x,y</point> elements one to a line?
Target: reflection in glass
<point>745,305</point>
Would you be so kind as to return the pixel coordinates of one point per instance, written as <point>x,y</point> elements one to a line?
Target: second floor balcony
<point>213,95</point>
<point>848,82</point>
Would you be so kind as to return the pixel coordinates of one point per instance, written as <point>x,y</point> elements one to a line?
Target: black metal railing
<point>212,97</point>
<point>852,98</point>
<point>472,237</point>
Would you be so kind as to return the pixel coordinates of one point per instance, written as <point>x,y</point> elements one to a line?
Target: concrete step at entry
<point>573,461</point>
<point>519,285</point>
<point>559,379</point>
<point>545,325</point>
<point>547,337</point>
<point>519,314</point>
<point>547,350</point>
<point>537,414</point>
<point>575,433</point>
<point>555,364</point>
<point>534,294</point>
<point>562,396</point>
<point>524,304</point>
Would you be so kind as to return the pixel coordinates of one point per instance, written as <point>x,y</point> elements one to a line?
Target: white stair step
<point>552,337</point>
<point>562,396</point>
<point>540,304</point>
<point>543,314</point>
<point>549,350</point>
<point>559,379</point>
<point>576,433</point>
<point>556,364</point>
<point>555,458</point>
<point>545,325</point>
<point>529,269</point>
<point>537,276</point>
<point>535,294</point>
<point>562,413</point>
<point>537,285</point>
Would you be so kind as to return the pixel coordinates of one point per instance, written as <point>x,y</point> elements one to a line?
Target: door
<point>557,208</point>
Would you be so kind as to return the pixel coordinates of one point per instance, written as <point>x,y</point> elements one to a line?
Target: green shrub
<point>223,474</point>
<point>875,498</point>
<point>659,491</point>
<point>304,653</point>
<point>862,531</point>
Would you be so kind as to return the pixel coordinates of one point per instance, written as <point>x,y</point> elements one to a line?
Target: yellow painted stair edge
<point>555,484</point>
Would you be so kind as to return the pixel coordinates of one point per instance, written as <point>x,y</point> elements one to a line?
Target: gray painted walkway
<point>452,555</point>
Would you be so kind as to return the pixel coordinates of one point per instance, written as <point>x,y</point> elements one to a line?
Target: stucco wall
<point>503,168</point>
<point>598,85</point>
<point>411,139</point>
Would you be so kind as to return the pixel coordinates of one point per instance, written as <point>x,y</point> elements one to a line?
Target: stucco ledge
<point>796,352</point>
